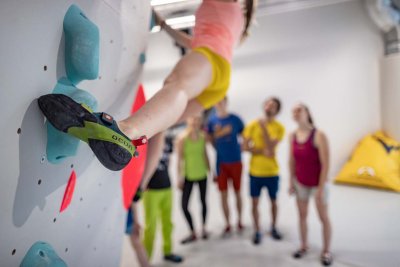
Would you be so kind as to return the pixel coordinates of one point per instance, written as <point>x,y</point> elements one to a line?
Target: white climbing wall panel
<point>89,232</point>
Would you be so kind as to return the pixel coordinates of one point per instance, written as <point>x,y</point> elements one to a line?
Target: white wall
<point>327,57</point>
<point>89,232</point>
<point>390,81</point>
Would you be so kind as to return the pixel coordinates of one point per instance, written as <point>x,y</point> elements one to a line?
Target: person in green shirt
<point>157,204</point>
<point>193,168</point>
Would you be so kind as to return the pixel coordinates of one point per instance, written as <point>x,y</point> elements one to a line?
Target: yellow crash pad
<point>375,163</point>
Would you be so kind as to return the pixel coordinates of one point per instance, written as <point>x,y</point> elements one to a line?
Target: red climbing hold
<point>69,191</point>
<point>132,174</point>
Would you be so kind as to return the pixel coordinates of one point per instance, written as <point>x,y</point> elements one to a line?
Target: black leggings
<point>187,190</point>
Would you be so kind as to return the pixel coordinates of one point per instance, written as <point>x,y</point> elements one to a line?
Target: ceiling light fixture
<point>180,20</point>
<point>164,2</point>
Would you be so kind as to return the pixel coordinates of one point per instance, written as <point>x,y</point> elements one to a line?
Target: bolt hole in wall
<point>39,181</point>
<point>45,68</point>
<point>72,165</point>
<point>54,220</point>
<point>66,249</point>
<point>13,252</point>
<point>19,131</point>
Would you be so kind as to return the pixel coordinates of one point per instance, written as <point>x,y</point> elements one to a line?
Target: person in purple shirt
<point>224,130</point>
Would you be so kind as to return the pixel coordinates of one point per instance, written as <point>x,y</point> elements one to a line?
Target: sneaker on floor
<point>275,234</point>
<point>227,232</point>
<point>300,253</point>
<point>240,228</point>
<point>173,258</point>
<point>189,239</point>
<point>257,238</point>
<point>326,259</point>
<point>205,235</point>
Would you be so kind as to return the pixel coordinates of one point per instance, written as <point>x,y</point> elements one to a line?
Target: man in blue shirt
<point>224,129</point>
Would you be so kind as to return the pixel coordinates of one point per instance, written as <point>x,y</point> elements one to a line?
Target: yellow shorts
<point>221,75</point>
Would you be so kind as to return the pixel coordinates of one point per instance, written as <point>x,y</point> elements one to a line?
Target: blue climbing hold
<point>42,254</point>
<point>59,144</point>
<point>82,39</point>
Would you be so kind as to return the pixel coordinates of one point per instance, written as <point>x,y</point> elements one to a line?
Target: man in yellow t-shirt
<point>260,139</point>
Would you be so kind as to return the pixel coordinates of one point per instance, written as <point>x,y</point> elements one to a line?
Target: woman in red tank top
<point>309,162</point>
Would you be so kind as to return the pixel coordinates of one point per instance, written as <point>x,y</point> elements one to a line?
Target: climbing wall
<point>72,204</point>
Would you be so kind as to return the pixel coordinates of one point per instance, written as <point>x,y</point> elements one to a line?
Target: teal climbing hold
<point>42,254</point>
<point>142,58</point>
<point>152,20</point>
<point>59,144</point>
<point>82,39</point>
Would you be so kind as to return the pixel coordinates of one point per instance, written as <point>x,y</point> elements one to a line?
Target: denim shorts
<point>129,222</point>
<point>304,192</point>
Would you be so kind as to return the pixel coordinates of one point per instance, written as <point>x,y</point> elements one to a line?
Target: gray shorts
<point>304,192</point>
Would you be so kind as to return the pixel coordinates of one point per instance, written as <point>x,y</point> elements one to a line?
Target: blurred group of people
<point>230,137</point>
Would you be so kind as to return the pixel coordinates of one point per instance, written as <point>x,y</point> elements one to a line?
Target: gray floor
<point>366,226</point>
